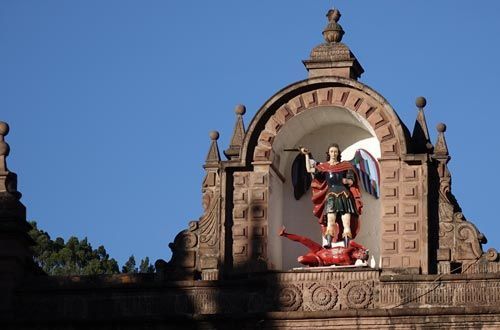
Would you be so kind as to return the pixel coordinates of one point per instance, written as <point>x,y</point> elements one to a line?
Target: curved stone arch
<point>324,91</point>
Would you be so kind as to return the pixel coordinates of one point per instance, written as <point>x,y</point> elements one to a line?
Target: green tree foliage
<point>129,266</point>
<point>76,257</point>
<point>144,266</point>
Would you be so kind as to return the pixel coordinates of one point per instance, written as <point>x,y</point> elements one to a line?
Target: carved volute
<point>460,242</point>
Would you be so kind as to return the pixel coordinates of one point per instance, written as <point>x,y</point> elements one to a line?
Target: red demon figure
<point>320,256</point>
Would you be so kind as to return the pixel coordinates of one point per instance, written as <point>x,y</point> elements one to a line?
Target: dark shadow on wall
<point>142,301</point>
<point>433,216</point>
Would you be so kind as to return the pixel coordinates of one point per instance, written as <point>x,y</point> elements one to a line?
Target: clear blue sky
<point>110,102</point>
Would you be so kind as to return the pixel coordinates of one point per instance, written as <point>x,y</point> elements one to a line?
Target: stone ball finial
<point>240,109</point>
<point>4,128</point>
<point>214,135</point>
<point>333,31</point>
<point>333,15</point>
<point>441,127</point>
<point>4,149</point>
<point>420,102</point>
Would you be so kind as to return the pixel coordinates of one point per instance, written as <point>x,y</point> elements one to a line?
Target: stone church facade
<point>229,268</point>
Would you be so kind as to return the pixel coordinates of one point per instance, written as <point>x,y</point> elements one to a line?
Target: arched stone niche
<point>327,109</point>
<point>324,91</point>
<point>315,129</point>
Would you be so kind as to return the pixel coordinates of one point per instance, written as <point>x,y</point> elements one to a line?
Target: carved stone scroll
<point>460,242</point>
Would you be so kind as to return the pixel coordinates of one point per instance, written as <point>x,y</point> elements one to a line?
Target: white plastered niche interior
<point>315,129</point>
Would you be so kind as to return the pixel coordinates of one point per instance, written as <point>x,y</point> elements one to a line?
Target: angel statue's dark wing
<point>301,180</point>
<point>368,172</point>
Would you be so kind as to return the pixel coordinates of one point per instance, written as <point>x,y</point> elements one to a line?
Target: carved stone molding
<point>442,293</point>
<point>321,291</point>
<point>346,97</point>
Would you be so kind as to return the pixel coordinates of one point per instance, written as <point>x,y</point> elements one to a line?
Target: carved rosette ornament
<point>357,295</point>
<point>288,298</point>
<point>324,297</point>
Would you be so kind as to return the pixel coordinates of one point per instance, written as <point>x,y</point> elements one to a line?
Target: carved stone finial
<point>333,58</point>
<point>8,180</point>
<point>233,152</point>
<point>240,109</point>
<point>213,156</point>
<point>214,135</point>
<point>4,128</point>
<point>420,137</point>
<point>441,127</point>
<point>333,31</point>
<point>441,149</point>
<point>4,147</point>
<point>420,102</point>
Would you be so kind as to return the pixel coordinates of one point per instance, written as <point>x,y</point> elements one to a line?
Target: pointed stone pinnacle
<point>213,156</point>
<point>441,148</point>
<point>420,137</point>
<point>233,152</point>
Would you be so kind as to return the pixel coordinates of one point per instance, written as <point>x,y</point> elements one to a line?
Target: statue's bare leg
<point>330,229</point>
<point>311,245</point>
<point>310,259</point>
<point>346,223</point>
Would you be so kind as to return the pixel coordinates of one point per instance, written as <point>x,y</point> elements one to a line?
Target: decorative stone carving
<point>323,297</point>
<point>460,242</point>
<point>288,298</point>
<point>233,152</point>
<point>196,251</point>
<point>186,240</point>
<point>357,295</point>
<point>491,254</point>
<point>346,97</point>
<point>333,57</point>
<point>209,231</point>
